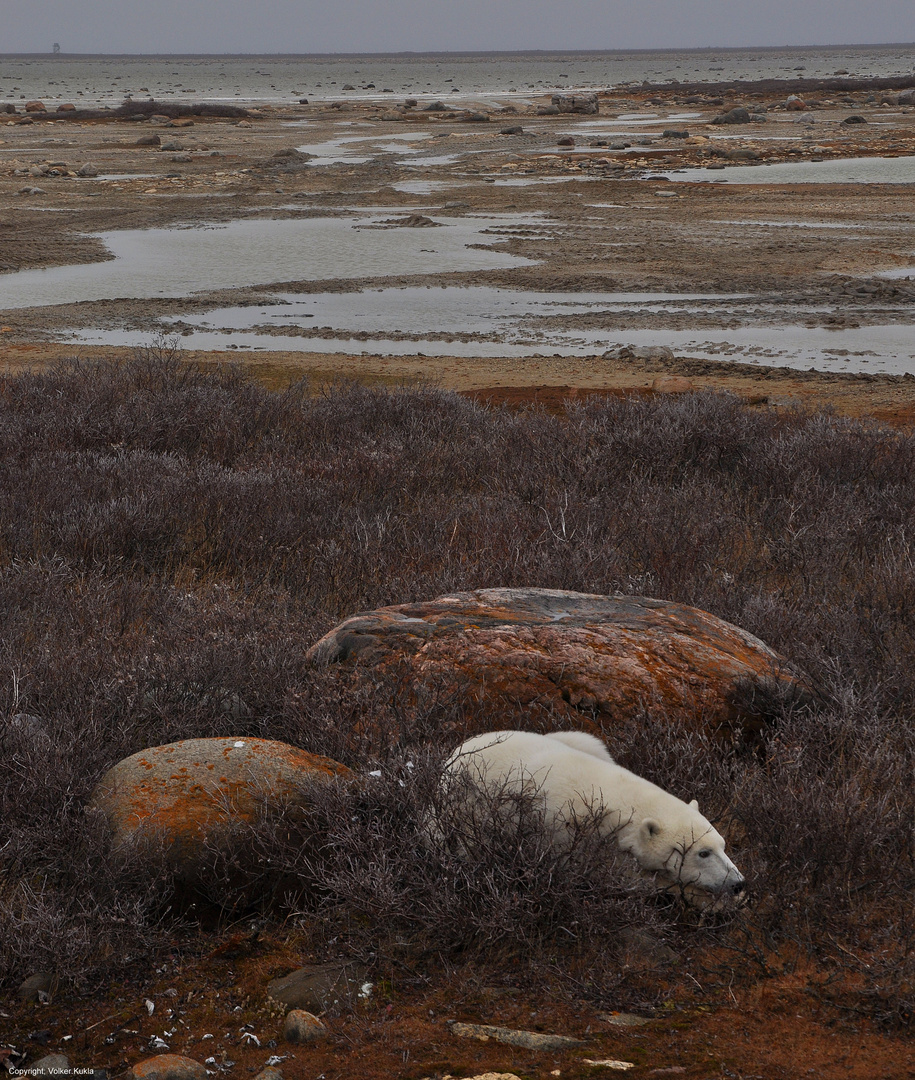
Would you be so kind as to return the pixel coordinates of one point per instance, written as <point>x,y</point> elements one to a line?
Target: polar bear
<point>572,774</point>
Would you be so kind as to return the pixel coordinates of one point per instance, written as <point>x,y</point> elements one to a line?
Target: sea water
<point>93,81</point>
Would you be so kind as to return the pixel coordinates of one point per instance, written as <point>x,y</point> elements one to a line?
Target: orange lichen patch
<point>574,654</point>
<point>171,791</point>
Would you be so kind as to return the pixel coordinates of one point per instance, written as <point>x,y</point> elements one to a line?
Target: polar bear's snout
<point>706,876</point>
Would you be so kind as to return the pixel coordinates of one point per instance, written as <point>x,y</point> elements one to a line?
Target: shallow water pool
<point>483,321</point>
<point>179,262</point>
<point>868,170</point>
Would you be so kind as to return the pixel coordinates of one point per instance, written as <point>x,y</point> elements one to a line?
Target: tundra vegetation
<point>172,541</point>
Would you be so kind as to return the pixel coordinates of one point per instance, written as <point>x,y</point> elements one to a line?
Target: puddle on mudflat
<point>452,309</point>
<point>179,262</point>
<point>358,149</point>
<point>482,321</point>
<point>534,181</point>
<point>900,170</point>
<point>424,187</point>
<point>878,350</point>
<point>898,274</point>
<point>435,159</point>
<point>128,176</point>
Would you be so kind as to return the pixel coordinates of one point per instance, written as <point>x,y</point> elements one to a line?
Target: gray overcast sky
<point>298,26</point>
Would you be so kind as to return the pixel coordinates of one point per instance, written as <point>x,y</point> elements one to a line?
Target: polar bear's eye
<point>704,854</point>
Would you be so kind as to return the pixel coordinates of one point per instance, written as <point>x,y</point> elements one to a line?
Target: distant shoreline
<point>452,55</point>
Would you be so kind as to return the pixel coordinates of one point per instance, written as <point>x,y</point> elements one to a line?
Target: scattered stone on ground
<point>623,1019</point>
<point>319,987</point>
<point>302,1027</point>
<point>529,1040</point>
<point>167,1067</point>
<point>42,986</point>
<point>56,1065</point>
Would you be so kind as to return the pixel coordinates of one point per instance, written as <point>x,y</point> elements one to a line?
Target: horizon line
<point>465,52</point>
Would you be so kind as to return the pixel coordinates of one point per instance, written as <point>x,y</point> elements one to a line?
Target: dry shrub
<point>172,541</point>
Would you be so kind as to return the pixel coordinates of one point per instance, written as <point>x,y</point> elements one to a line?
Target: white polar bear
<point>572,775</point>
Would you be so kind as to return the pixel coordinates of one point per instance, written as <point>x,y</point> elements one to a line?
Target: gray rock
<point>854,120</point>
<point>56,1065</point>
<point>303,1027</point>
<point>171,146</point>
<point>907,97</point>
<point>646,952</point>
<point>149,140</point>
<point>734,116</point>
<point>435,106</point>
<point>42,986</point>
<point>29,729</point>
<point>515,129</point>
<point>270,1072</point>
<point>478,118</point>
<point>548,110</point>
<point>675,133</point>
<point>585,104</point>
<point>639,352</point>
<point>529,1040</point>
<point>318,987</point>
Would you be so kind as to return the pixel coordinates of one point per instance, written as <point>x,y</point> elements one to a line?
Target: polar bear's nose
<point>738,887</point>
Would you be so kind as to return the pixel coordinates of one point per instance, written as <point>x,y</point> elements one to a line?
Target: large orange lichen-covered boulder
<point>190,795</point>
<point>602,659</point>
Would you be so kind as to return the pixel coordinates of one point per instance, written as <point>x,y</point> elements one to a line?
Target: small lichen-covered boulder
<point>600,661</point>
<point>187,797</point>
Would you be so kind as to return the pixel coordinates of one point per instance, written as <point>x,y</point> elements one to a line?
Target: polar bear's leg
<point>584,743</point>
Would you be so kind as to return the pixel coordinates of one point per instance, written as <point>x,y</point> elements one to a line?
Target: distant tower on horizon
<point>56,48</point>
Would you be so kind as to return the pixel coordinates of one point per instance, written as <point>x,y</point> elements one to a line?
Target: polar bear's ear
<point>694,805</point>
<point>649,829</point>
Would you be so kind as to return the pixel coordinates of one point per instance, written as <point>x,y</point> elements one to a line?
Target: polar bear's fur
<point>572,775</point>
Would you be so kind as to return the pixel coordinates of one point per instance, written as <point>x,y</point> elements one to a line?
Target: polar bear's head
<point>689,858</point>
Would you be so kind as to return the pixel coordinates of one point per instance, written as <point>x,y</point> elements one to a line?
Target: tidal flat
<point>161,225</point>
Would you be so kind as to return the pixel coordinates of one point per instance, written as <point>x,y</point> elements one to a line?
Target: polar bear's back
<point>571,771</point>
<point>582,741</point>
